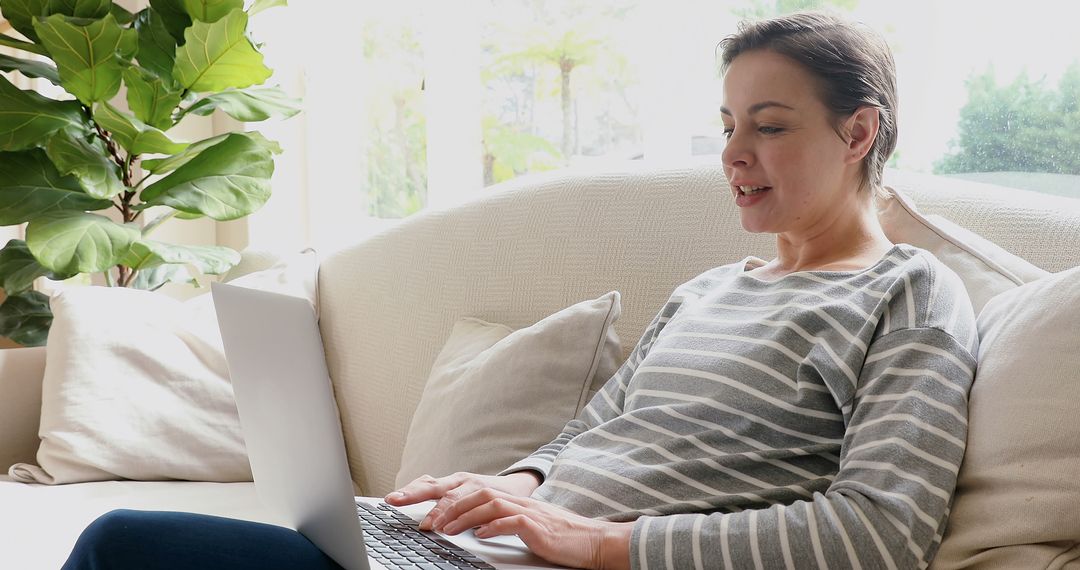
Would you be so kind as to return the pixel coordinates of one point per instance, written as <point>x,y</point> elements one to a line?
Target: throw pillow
<point>1018,493</point>
<point>545,373</point>
<point>136,385</point>
<point>985,268</point>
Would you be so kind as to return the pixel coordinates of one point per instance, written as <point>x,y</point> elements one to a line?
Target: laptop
<point>292,431</point>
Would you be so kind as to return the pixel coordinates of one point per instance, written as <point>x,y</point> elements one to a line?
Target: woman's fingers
<point>480,507</point>
<point>424,488</point>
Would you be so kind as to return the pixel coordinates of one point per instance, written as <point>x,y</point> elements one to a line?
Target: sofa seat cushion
<point>39,524</point>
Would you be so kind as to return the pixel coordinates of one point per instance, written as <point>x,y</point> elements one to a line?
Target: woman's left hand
<point>551,532</point>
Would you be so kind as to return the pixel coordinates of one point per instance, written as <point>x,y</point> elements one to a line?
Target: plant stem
<point>109,280</point>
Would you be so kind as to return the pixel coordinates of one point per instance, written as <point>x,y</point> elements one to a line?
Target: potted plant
<point>82,172</point>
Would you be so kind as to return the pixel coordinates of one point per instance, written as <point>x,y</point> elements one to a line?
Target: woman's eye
<point>727,133</point>
<point>770,130</point>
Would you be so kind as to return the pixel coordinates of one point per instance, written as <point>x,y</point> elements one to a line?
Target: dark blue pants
<point>166,541</point>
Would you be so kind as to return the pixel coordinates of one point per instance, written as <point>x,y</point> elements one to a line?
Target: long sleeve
<point>886,508</point>
<point>608,401</point>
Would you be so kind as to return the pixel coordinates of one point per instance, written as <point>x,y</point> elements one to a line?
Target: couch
<point>539,244</point>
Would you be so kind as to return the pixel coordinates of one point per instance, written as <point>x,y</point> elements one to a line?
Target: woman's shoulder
<point>929,294</point>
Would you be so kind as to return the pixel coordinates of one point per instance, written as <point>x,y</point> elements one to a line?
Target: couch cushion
<point>136,385</point>
<point>39,524</point>
<point>1018,491</point>
<point>985,268</point>
<point>495,395</point>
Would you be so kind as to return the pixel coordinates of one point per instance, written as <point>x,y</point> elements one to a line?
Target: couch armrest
<point>21,372</point>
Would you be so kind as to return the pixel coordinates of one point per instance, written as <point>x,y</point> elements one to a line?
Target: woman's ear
<point>862,128</point>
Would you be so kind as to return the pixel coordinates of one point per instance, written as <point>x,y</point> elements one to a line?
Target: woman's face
<point>780,137</point>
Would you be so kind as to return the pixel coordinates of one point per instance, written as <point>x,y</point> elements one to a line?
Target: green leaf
<point>211,260</point>
<point>150,99</point>
<point>29,68</point>
<point>122,15</point>
<point>135,136</point>
<point>21,14</point>
<point>153,278</point>
<point>27,118</point>
<point>87,161</point>
<point>157,48</point>
<point>30,187</point>
<point>25,318</point>
<point>77,242</point>
<point>211,10</point>
<point>171,163</point>
<point>261,5</point>
<point>216,56</point>
<point>86,55</point>
<point>92,9</point>
<point>249,105</point>
<point>10,42</point>
<point>19,268</point>
<point>228,180</point>
<point>176,19</point>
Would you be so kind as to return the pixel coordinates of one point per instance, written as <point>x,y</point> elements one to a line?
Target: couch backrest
<point>538,245</point>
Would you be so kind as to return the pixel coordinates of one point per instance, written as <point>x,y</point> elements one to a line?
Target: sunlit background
<point>414,105</point>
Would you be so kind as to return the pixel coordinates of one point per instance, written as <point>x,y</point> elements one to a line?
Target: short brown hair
<point>853,64</point>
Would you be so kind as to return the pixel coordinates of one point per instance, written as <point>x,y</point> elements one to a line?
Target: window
<point>449,100</point>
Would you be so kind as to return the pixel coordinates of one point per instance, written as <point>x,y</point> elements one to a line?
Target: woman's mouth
<point>751,190</point>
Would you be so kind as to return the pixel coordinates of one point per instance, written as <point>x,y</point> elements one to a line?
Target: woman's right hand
<point>447,490</point>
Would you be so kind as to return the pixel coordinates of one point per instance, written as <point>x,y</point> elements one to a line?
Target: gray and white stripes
<point>814,421</point>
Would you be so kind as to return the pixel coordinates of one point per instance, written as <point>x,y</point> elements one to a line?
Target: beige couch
<point>539,245</point>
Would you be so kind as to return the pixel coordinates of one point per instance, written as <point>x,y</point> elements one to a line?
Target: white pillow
<point>984,267</point>
<point>495,394</point>
<point>1018,491</point>
<point>136,385</point>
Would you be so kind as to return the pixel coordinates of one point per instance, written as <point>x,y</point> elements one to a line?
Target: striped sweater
<point>817,420</point>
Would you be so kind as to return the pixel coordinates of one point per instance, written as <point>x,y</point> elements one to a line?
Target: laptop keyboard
<point>396,541</point>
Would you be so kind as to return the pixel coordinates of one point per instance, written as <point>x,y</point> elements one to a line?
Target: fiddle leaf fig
<point>211,260</point>
<point>157,47</point>
<point>31,186</point>
<point>218,55</point>
<point>211,10</point>
<point>25,318</point>
<point>248,105</point>
<point>21,14</point>
<point>27,119</point>
<point>87,161</point>
<point>150,98</point>
<point>154,278</point>
<point>174,17</point>
<point>80,8</point>
<point>29,68</point>
<point>226,181</point>
<point>134,135</point>
<point>77,242</point>
<point>87,55</point>
<point>19,268</point>
<point>87,150</point>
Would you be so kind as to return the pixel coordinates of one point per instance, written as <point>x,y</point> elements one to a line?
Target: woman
<point>812,408</point>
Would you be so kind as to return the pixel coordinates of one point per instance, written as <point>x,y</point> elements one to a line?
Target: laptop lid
<point>289,417</point>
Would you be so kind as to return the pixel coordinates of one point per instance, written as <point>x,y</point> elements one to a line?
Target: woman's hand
<point>553,533</point>
<point>447,490</point>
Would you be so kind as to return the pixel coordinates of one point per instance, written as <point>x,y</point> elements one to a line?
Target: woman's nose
<point>736,154</point>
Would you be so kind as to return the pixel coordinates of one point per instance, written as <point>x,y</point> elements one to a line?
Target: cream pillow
<point>985,268</point>
<point>136,385</point>
<point>495,394</point>
<point>1018,492</point>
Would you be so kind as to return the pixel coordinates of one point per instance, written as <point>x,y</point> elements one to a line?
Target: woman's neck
<point>851,239</point>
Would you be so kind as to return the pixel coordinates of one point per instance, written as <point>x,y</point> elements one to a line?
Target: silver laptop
<point>295,445</point>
